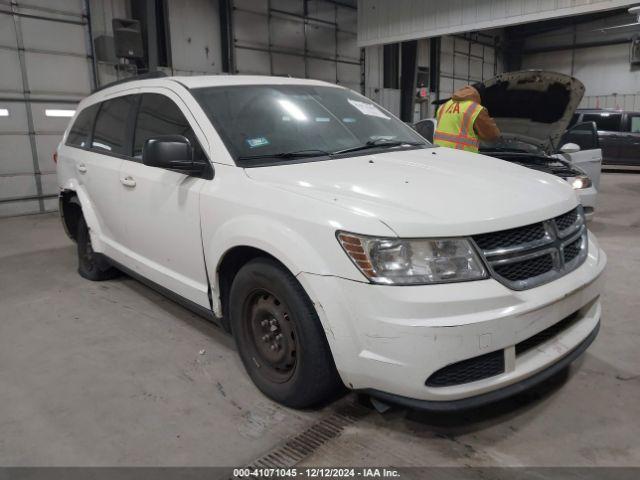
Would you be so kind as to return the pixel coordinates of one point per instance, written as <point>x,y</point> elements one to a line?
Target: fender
<point>88,212</point>
<point>282,242</point>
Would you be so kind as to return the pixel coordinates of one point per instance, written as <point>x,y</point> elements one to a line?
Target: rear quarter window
<point>80,133</point>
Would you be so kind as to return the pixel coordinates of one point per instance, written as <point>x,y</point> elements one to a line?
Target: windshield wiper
<point>285,155</point>
<point>378,142</point>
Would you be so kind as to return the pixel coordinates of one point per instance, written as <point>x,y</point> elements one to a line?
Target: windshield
<point>261,124</point>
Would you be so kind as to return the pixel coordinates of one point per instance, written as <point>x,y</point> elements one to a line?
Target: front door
<point>161,207</point>
<point>609,126</point>
<point>630,145</point>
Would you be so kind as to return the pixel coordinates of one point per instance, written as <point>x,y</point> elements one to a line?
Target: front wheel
<point>279,336</point>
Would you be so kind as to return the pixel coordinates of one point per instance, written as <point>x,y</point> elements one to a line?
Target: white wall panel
<point>321,40</point>
<point>322,70</point>
<point>195,36</point>
<point>15,156</point>
<point>17,186</point>
<point>382,21</point>
<point>277,38</point>
<point>53,36</point>
<point>603,70</point>
<point>43,52</point>
<point>286,32</point>
<point>252,62</point>
<point>10,78</point>
<point>58,74</point>
<point>250,28</point>
<point>7,35</point>
<point>16,122</point>
<point>288,65</point>
<point>624,102</point>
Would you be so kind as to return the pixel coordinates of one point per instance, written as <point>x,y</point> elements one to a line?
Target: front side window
<point>158,115</point>
<point>283,121</point>
<point>110,132</point>
<point>80,132</point>
<point>608,122</point>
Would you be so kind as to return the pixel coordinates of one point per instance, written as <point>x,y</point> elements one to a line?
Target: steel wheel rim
<point>270,333</point>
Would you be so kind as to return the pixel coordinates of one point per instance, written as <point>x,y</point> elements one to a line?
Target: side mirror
<point>426,128</point>
<point>171,152</point>
<point>570,148</point>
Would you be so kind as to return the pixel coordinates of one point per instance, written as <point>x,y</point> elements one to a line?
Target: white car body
<point>384,339</point>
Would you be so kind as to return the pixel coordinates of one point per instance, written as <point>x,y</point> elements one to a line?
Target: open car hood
<point>532,104</point>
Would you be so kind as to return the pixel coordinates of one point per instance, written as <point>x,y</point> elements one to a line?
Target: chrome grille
<point>529,256</point>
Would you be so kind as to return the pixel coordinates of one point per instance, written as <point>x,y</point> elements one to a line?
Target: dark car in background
<point>618,131</point>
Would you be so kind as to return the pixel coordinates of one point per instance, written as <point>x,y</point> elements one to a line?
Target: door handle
<point>81,167</point>
<point>128,182</point>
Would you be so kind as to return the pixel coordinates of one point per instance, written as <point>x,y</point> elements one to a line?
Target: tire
<point>91,265</point>
<point>280,338</point>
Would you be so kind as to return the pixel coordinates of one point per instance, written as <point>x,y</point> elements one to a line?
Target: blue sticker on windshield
<point>257,142</point>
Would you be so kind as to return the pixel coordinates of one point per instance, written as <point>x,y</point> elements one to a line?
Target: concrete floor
<point>114,374</point>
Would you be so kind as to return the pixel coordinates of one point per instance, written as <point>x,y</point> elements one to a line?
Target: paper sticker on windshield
<point>368,109</point>
<point>257,142</point>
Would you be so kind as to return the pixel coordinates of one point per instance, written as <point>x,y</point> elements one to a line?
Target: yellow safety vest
<point>455,125</point>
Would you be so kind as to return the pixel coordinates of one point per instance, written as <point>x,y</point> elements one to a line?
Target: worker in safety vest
<point>463,122</point>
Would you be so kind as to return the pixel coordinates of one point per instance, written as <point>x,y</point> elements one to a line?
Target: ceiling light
<point>55,112</point>
<point>4,112</point>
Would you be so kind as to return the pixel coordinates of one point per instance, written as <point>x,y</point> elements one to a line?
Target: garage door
<point>299,38</point>
<point>46,70</point>
<point>465,61</point>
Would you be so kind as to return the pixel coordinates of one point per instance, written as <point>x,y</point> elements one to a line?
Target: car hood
<point>534,105</point>
<point>427,192</point>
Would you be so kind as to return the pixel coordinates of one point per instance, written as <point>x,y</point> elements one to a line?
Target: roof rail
<point>156,74</point>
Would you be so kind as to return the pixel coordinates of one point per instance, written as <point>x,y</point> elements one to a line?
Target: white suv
<point>335,244</point>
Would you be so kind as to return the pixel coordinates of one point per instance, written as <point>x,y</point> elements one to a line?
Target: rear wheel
<point>91,265</point>
<point>279,336</point>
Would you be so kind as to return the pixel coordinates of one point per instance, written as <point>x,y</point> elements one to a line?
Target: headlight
<point>580,182</point>
<point>395,261</point>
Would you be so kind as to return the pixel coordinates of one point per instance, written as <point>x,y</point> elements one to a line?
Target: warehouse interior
<point>115,374</point>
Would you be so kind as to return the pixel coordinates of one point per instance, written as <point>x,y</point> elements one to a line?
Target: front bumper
<point>389,339</point>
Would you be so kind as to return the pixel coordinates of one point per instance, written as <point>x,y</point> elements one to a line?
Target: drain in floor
<point>297,448</point>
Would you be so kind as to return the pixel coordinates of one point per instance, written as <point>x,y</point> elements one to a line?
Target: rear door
<point>161,207</point>
<point>609,126</point>
<point>589,158</point>
<point>630,145</point>
<point>98,150</point>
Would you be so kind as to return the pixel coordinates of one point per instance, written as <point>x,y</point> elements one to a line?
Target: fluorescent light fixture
<point>57,112</point>
<point>4,112</point>
<point>293,110</point>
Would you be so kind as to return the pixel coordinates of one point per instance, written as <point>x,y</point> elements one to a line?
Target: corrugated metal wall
<point>383,21</point>
<point>45,70</point>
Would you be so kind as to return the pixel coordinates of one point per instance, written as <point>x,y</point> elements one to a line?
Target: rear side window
<point>634,123</point>
<point>609,122</point>
<point>80,132</point>
<point>159,115</point>
<point>110,132</point>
